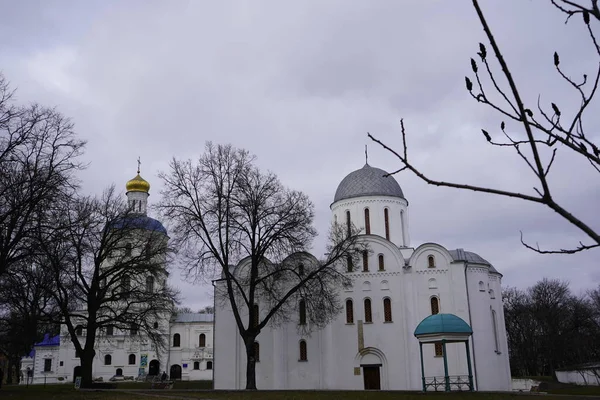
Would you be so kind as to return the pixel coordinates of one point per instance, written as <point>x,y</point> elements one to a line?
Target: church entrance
<point>371,376</point>
<point>154,367</point>
<point>175,372</point>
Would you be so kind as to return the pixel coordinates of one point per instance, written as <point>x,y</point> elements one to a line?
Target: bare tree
<point>548,128</point>
<point>38,157</point>
<point>109,273</point>
<point>234,222</point>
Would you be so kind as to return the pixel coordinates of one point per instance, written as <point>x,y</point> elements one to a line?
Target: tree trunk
<point>250,364</point>
<point>87,360</point>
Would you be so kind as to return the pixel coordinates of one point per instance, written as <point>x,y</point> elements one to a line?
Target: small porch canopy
<point>444,328</point>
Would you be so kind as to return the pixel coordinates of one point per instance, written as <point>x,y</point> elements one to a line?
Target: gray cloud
<point>299,84</point>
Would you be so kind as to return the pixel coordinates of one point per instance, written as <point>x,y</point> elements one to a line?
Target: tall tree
<point>38,158</point>
<point>109,273</point>
<point>552,126</point>
<point>235,222</point>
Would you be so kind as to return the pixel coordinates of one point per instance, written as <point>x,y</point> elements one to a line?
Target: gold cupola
<point>138,184</point>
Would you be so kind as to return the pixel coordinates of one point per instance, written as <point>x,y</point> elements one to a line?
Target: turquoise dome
<point>442,323</point>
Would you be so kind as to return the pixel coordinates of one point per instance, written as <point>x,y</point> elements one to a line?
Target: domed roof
<point>139,222</point>
<point>442,323</point>
<point>138,184</point>
<point>367,181</point>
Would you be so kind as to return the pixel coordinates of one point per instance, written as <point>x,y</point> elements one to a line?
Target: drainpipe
<point>473,335</point>
<point>213,332</point>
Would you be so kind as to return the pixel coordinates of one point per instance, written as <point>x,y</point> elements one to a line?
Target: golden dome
<point>138,184</point>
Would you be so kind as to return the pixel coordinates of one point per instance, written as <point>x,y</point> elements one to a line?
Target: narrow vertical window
<point>381,263</point>
<point>301,269</point>
<point>386,216</point>
<point>256,351</point>
<point>110,330</point>
<point>439,349</point>
<point>430,261</point>
<point>133,329</point>
<point>150,284</point>
<point>202,340</point>
<point>367,222</point>
<point>176,340</point>
<point>132,359</point>
<point>349,266</point>
<point>47,365</point>
<point>302,310</point>
<point>196,364</point>
<point>495,326</point>
<point>107,359</point>
<point>79,330</point>
<point>365,256</point>
<point>387,309</point>
<point>209,365</point>
<point>402,228</point>
<point>368,315</point>
<point>303,355</point>
<point>349,312</point>
<point>128,249</point>
<point>125,285</point>
<point>435,306</point>
<point>348,223</point>
<point>255,315</point>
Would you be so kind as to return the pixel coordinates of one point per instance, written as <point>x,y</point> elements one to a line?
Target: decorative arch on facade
<point>366,286</point>
<point>397,258</point>
<point>481,286</point>
<point>430,248</point>
<point>372,355</point>
<point>385,285</point>
<point>432,283</point>
<point>492,294</point>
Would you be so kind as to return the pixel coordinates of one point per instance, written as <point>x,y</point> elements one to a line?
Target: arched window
<point>349,266</point>
<point>110,330</point>
<point>348,223</point>
<point>255,315</point>
<point>435,306</point>
<point>202,340</point>
<point>209,364</point>
<point>196,364</point>
<point>256,352</point>
<point>387,310</point>
<point>132,359</point>
<point>79,330</point>
<point>150,284</point>
<point>107,359</point>
<point>430,261</point>
<point>303,355</point>
<point>495,327</point>
<point>301,269</point>
<point>439,349</point>
<point>155,325</point>
<point>368,315</point>
<point>302,312</point>
<point>365,256</point>
<point>349,312</point>
<point>128,249</point>
<point>133,329</point>
<point>176,340</point>
<point>402,228</point>
<point>367,222</point>
<point>492,295</point>
<point>119,372</point>
<point>386,216</point>
<point>381,263</point>
<point>481,286</point>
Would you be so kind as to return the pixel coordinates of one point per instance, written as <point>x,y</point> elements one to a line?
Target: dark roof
<point>442,323</point>
<point>367,181</point>
<point>140,222</point>
<point>470,257</point>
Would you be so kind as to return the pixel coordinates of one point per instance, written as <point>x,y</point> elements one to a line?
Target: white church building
<point>123,355</point>
<point>424,318</point>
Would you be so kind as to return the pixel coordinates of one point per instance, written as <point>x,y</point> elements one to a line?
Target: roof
<point>442,323</point>
<point>367,181</point>
<point>49,341</point>
<point>140,222</point>
<point>470,257</point>
<point>194,317</point>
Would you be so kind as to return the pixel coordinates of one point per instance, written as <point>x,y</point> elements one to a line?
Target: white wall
<point>583,377</point>
<point>189,352</point>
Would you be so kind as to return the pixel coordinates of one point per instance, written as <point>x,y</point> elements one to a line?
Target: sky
<point>299,84</point>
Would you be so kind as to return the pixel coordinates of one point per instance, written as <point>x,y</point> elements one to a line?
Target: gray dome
<point>367,181</point>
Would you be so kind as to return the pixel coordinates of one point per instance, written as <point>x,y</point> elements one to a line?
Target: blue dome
<point>140,222</point>
<point>442,323</point>
<point>367,181</point>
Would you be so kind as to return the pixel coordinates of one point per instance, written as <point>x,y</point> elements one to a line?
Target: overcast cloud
<point>299,84</point>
